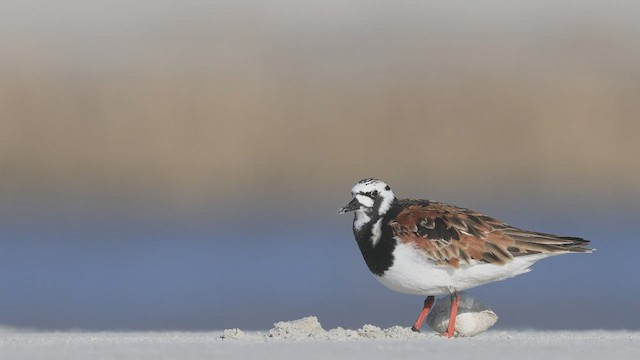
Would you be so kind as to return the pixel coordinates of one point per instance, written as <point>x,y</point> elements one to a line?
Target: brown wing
<point>450,235</point>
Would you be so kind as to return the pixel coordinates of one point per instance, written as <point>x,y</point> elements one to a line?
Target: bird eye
<point>374,193</point>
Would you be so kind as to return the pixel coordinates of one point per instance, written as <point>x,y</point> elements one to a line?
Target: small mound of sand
<point>233,334</point>
<point>300,329</point>
<point>309,328</point>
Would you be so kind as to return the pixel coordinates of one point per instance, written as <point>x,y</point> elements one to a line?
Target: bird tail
<point>575,244</point>
<point>529,242</point>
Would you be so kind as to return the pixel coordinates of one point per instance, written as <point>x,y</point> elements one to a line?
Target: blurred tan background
<point>198,101</point>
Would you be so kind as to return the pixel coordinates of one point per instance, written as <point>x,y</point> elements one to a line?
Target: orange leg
<point>428,303</point>
<point>451,329</point>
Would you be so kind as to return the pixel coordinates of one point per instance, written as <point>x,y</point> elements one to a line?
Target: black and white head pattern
<point>374,198</point>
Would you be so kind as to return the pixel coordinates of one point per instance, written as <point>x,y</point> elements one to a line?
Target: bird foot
<point>415,329</point>
<point>447,334</point>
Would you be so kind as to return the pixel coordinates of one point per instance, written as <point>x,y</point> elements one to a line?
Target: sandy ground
<point>254,345</point>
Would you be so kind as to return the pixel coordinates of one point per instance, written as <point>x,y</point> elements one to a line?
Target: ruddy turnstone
<point>428,248</point>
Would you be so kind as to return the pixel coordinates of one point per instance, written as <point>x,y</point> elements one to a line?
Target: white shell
<point>473,317</point>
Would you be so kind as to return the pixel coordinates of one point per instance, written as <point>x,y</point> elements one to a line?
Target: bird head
<point>371,197</point>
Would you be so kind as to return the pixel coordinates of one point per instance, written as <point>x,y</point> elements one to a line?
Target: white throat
<point>363,219</point>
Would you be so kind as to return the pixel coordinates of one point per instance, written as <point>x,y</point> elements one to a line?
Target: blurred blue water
<point>110,271</point>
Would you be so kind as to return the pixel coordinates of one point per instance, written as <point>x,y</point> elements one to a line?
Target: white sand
<point>306,339</point>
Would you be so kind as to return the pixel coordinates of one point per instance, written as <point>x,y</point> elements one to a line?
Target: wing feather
<point>452,236</point>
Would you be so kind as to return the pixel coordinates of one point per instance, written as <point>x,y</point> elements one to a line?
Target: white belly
<point>413,273</point>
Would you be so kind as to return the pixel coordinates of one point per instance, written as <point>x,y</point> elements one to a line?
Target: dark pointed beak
<point>352,205</point>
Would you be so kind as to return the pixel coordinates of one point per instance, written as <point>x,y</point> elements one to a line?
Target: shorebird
<point>428,248</point>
